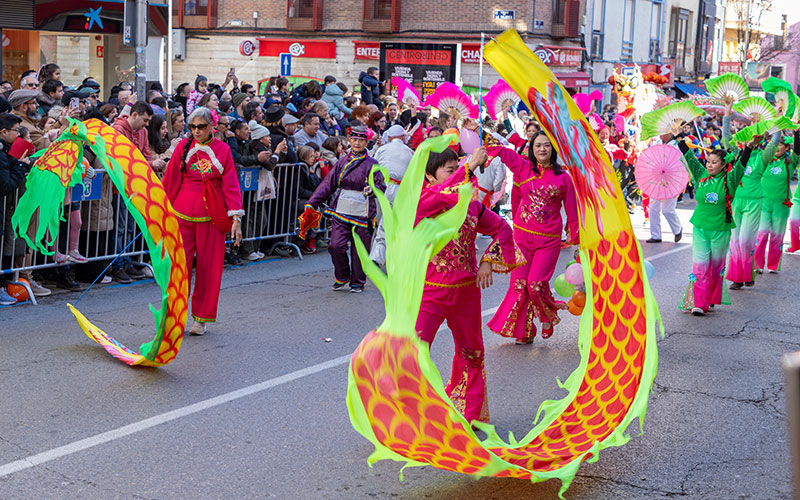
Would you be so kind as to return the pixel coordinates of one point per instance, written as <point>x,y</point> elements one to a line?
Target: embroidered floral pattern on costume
<point>500,263</point>
<point>203,165</point>
<point>544,202</point>
<point>459,254</point>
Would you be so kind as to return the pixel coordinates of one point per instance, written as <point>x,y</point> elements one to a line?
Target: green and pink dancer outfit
<point>712,220</point>
<point>776,184</point>
<point>794,222</point>
<point>747,216</point>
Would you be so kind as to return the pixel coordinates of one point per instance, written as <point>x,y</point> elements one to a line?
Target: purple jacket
<point>350,172</point>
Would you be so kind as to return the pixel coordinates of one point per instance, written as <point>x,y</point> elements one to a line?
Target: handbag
<point>267,186</point>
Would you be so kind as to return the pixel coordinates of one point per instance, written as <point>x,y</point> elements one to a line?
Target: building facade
<point>342,38</point>
<point>84,37</point>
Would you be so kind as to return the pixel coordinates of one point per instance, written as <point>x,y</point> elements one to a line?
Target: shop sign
<point>664,70</point>
<point>729,67</point>
<point>471,53</point>
<point>247,48</point>
<point>370,51</point>
<point>568,57</point>
<point>274,47</point>
<point>423,65</point>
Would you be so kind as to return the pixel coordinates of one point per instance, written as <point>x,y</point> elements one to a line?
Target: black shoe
<point>680,198</point>
<point>120,276</point>
<point>338,286</point>
<point>749,283</point>
<point>67,282</point>
<point>678,236</point>
<point>653,240</point>
<point>134,273</point>
<point>233,259</point>
<point>736,286</point>
<point>356,289</point>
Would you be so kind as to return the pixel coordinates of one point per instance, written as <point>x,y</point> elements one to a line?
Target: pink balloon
<point>469,140</point>
<point>574,274</point>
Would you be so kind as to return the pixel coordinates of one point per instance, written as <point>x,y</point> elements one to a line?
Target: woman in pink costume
<point>202,184</point>
<point>544,187</point>
<point>454,280</point>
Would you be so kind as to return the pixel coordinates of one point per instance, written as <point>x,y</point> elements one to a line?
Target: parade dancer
<point>746,210</point>
<point>544,188</point>
<point>201,182</point>
<point>715,186</point>
<point>454,280</point>
<point>394,156</point>
<point>776,184</point>
<point>353,206</point>
<point>794,222</point>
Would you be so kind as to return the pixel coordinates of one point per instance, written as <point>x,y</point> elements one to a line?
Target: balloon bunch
<point>570,284</point>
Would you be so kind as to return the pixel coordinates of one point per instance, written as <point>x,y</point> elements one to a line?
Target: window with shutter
<point>304,15</point>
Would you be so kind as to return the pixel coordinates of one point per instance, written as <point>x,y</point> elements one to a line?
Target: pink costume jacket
<point>452,294</point>
<point>537,232</point>
<point>212,160</point>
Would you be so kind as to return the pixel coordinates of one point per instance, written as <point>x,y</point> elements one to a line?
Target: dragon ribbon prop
<point>396,398</point>
<point>144,196</point>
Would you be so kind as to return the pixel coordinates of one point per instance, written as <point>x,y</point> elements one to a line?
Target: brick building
<point>342,37</point>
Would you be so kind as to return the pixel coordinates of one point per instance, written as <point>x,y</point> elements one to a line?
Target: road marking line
<point>127,430</point>
<point>668,252</point>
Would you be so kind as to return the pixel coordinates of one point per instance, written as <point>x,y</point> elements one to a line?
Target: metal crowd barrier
<point>107,227</point>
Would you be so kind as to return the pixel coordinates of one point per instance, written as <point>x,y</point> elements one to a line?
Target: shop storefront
<point>83,37</point>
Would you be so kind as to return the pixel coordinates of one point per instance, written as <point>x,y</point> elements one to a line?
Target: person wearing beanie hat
<point>240,100</point>
<point>200,89</point>
<point>353,209</point>
<point>281,128</point>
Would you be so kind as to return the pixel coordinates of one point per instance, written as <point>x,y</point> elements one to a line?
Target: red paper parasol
<point>660,172</point>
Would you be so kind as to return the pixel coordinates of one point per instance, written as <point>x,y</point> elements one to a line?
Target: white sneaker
<point>106,280</point>
<point>197,328</point>
<point>37,289</point>
<point>261,255</point>
<point>76,257</point>
<point>251,256</point>
<point>148,272</point>
<point>5,298</point>
<point>773,271</point>
<point>698,312</point>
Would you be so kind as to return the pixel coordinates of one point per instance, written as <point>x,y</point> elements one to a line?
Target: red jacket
<point>138,138</point>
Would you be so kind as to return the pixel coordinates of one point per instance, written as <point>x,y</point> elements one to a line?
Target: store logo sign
<point>92,18</point>
<point>297,49</point>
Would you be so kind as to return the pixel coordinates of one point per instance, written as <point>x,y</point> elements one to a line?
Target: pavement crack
<point>93,484</point>
<point>769,401</point>
<point>649,489</point>
<point>17,446</point>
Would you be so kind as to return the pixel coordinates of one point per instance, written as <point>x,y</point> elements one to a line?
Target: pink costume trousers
<point>774,215</point>
<point>208,242</point>
<point>528,294</point>
<point>461,307</point>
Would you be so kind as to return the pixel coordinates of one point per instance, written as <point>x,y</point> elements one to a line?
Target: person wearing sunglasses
<point>202,184</point>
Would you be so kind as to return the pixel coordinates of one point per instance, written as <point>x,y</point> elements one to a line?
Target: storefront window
<point>382,10</point>
<point>301,8</point>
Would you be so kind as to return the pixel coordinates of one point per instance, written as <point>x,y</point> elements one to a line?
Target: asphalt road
<point>255,409</point>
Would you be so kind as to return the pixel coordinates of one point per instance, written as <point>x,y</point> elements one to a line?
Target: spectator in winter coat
<point>370,87</point>
<point>275,119</point>
<point>327,123</point>
<point>200,88</point>
<point>12,171</point>
<point>334,98</point>
<point>51,93</point>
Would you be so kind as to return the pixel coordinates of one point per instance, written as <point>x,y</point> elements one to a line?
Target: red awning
<point>574,79</point>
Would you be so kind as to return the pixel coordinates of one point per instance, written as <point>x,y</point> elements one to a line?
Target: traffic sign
<point>286,64</point>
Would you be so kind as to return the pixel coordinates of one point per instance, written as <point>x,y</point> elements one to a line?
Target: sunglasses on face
<point>251,92</point>
<point>198,126</point>
<point>223,124</point>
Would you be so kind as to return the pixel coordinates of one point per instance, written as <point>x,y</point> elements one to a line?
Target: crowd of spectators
<point>304,125</point>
